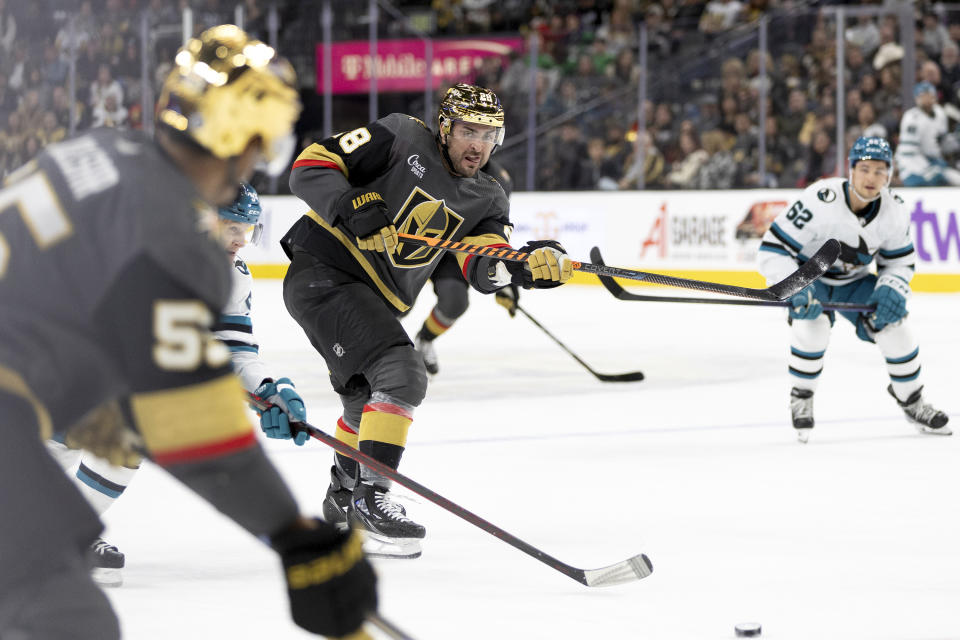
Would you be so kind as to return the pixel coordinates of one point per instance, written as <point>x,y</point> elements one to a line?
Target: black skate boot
<point>389,533</point>
<point>923,416</point>
<point>801,409</point>
<point>336,505</point>
<point>106,561</point>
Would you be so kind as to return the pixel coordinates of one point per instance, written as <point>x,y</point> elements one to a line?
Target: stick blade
<point>811,270</point>
<point>636,568</point>
<point>632,376</point>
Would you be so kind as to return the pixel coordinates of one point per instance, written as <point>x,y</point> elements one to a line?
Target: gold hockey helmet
<point>470,103</point>
<point>227,89</point>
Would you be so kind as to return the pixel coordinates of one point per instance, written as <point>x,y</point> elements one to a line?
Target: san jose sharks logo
<point>856,256</point>
<point>423,215</point>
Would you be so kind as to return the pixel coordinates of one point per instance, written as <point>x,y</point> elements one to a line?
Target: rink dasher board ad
<point>703,234</point>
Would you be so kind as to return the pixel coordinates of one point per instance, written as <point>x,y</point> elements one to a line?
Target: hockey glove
<point>365,214</point>
<point>287,407</point>
<point>508,297</point>
<point>547,265</point>
<point>890,296</point>
<point>331,584</point>
<point>804,306</point>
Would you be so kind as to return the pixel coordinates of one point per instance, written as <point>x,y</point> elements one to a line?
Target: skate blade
<point>107,577</point>
<point>377,546</point>
<point>931,431</point>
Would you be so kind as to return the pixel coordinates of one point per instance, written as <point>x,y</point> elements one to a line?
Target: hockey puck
<point>747,629</point>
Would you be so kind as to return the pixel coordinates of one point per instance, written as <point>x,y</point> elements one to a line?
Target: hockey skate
<point>106,561</point>
<point>801,410</point>
<point>336,504</point>
<point>923,416</point>
<point>428,353</point>
<point>388,532</point>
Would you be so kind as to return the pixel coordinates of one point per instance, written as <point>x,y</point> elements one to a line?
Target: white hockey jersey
<point>919,144</point>
<point>880,231</point>
<point>235,329</point>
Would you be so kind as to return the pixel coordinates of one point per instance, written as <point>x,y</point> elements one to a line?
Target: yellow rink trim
<point>925,282</point>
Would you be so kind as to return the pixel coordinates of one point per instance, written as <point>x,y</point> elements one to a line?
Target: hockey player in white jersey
<point>922,130</point>
<point>872,223</point>
<point>101,482</point>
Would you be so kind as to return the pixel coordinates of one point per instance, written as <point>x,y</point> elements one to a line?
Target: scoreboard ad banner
<point>401,65</point>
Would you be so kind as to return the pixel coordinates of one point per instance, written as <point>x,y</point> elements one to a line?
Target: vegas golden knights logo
<point>423,215</point>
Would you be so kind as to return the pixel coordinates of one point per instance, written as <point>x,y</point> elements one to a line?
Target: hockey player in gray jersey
<point>109,284</point>
<point>350,278</point>
<point>872,223</point>
<point>102,483</point>
<point>452,291</point>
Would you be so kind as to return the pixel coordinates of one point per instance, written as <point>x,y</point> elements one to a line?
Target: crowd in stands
<point>702,116</point>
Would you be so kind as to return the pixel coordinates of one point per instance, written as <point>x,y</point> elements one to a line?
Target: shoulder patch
<point>241,267</point>
<point>826,195</point>
<point>896,197</point>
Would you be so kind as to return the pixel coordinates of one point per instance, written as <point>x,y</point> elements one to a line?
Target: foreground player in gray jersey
<point>350,278</point>
<point>871,223</point>
<point>109,285</point>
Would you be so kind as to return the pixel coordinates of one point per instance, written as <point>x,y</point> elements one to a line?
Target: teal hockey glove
<point>890,296</point>
<point>804,306</point>
<point>287,407</point>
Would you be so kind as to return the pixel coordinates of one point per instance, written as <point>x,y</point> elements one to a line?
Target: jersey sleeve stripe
<point>97,482</point>
<point>317,155</point>
<point>236,345</point>
<point>774,248</point>
<point>897,253</point>
<point>315,163</point>
<point>201,420</point>
<point>247,320</point>
<point>232,326</point>
<point>205,452</point>
<point>783,237</point>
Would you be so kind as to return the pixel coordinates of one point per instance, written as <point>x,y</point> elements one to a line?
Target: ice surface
<point>854,535</point>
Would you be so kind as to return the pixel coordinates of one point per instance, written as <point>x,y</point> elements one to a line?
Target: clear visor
<point>469,132</point>
<point>233,233</point>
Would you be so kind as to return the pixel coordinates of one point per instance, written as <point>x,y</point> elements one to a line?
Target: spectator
<point>8,99</point>
<point>867,122</point>
<point>683,174</point>
<point>934,35</point>
<point>110,113</point>
<point>660,42</point>
<point>8,28</point>
<point>596,169</point>
<point>821,157</point>
<point>865,35</point>
<point>624,70</point>
<point>719,171</point>
<point>930,72</point>
<point>105,86</point>
<point>950,63</point>
<point>651,166</point>
<point>52,130</point>
<point>720,15</point>
<point>55,68</point>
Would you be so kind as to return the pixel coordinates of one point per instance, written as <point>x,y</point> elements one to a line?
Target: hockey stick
<point>620,293</point>
<point>632,376</point>
<point>815,267</point>
<point>391,630</point>
<point>628,570</point>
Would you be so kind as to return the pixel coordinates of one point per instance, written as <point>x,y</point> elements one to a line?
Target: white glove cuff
<point>895,283</point>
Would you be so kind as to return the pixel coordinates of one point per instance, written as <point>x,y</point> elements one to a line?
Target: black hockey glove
<point>365,214</point>
<point>508,297</point>
<point>330,582</point>
<point>547,265</point>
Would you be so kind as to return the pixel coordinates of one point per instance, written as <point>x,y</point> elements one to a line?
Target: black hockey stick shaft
<point>633,568</point>
<point>620,293</point>
<point>810,271</point>
<point>391,630</point>
<point>632,376</point>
